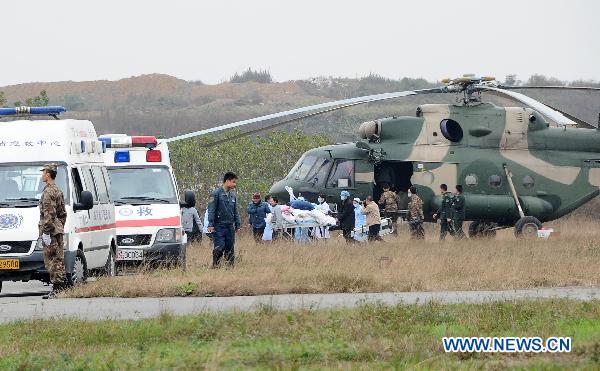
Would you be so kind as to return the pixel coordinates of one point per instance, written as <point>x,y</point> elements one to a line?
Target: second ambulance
<point>147,208</point>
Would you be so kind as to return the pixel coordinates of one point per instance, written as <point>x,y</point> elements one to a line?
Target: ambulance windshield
<point>21,185</point>
<point>137,185</point>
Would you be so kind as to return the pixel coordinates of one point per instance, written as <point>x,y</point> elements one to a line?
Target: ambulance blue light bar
<point>125,141</point>
<point>47,110</point>
<point>122,156</point>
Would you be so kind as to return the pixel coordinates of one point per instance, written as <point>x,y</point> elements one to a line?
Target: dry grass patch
<point>399,264</point>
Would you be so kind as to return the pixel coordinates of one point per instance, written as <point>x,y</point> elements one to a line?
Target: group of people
<point>451,212</point>
<point>351,212</point>
<point>222,219</point>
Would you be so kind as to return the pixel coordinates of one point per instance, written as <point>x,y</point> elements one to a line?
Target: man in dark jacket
<point>346,217</point>
<point>458,212</point>
<point>224,220</point>
<point>257,211</point>
<point>444,213</point>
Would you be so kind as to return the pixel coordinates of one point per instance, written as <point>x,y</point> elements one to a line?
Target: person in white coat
<point>322,232</point>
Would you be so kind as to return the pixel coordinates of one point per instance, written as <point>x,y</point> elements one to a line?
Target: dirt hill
<point>164,105</point>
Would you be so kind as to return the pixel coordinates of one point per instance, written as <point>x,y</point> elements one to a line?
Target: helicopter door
<point>396,174</point>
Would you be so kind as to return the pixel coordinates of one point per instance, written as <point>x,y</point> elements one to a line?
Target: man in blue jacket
<point>224,220</point>
<point>257,211</point>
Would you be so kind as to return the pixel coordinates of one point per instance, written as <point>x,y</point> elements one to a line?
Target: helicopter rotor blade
<point>328,107</point>
<point>549,87</point>
<point>284,122</point>
<point>550,112</point>
<point>580,122</point>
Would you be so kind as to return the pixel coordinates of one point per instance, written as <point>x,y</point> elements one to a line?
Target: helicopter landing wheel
<point>527,227</point>
<point>481,229</point>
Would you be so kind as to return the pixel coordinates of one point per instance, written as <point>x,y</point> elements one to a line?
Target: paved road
<point>33,307</point>
<point>23,289</point>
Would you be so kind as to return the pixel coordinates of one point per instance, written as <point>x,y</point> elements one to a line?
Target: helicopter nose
<point>278,190</point>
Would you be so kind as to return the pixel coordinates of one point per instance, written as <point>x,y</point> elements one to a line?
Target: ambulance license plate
<point>130,254</point>
<point>9,264</point>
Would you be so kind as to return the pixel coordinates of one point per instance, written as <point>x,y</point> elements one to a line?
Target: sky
<point>210,40</point>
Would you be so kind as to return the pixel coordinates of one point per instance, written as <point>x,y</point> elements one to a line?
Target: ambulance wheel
<point>110,268</point>
<point>527,227</point>
<point>80,271</point>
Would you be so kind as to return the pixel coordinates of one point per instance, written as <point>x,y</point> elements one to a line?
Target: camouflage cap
<point>49,167</point>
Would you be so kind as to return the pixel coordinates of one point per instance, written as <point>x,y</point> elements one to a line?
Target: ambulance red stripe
<point>174,221</point>
<point>95,228</point>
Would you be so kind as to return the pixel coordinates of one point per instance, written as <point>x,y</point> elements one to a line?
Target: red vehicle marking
<point>174,221</point>
<point>95,228</point>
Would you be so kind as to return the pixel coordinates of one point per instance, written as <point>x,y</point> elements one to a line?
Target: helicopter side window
<point>495,181</point>
<point>528,181</point>
<point>471,180</point>
<point>451,130</point>
<point>342,175</point>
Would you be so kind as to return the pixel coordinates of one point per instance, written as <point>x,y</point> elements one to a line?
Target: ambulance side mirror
<point>189,199</point>
<point>87,201</point>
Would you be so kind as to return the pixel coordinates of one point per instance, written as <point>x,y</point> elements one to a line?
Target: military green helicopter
<point>517,169</point>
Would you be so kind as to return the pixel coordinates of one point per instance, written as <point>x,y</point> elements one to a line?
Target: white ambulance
<point>25,146</point>
<point>147,207</point>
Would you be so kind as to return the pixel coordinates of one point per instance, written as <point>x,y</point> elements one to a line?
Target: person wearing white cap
<point>346,217</point>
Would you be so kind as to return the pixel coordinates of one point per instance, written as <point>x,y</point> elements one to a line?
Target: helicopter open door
<point>396,174</point>
<point>426,176</point>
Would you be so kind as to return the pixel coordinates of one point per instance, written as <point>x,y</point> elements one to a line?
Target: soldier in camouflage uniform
<point>458,212</point>
<point>415,214</point>
<point>390,201</point>
<point>444,213</point>
<point>51,228</point>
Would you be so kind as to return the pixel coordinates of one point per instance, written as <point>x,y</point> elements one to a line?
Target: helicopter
<point>519,166</point>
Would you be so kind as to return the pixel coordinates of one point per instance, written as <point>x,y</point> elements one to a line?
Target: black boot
<point>69,281</point>
<point>52,294</point>
<point>56,289</point>
<point>216,259</point>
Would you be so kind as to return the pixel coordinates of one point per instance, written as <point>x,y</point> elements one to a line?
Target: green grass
<point>367,337</point>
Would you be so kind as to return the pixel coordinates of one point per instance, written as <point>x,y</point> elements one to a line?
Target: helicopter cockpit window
<point>342,175</point>
<point>302,168</point>
<point>451,130</point>
<point>495,181</point>
<point>319,171</point>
